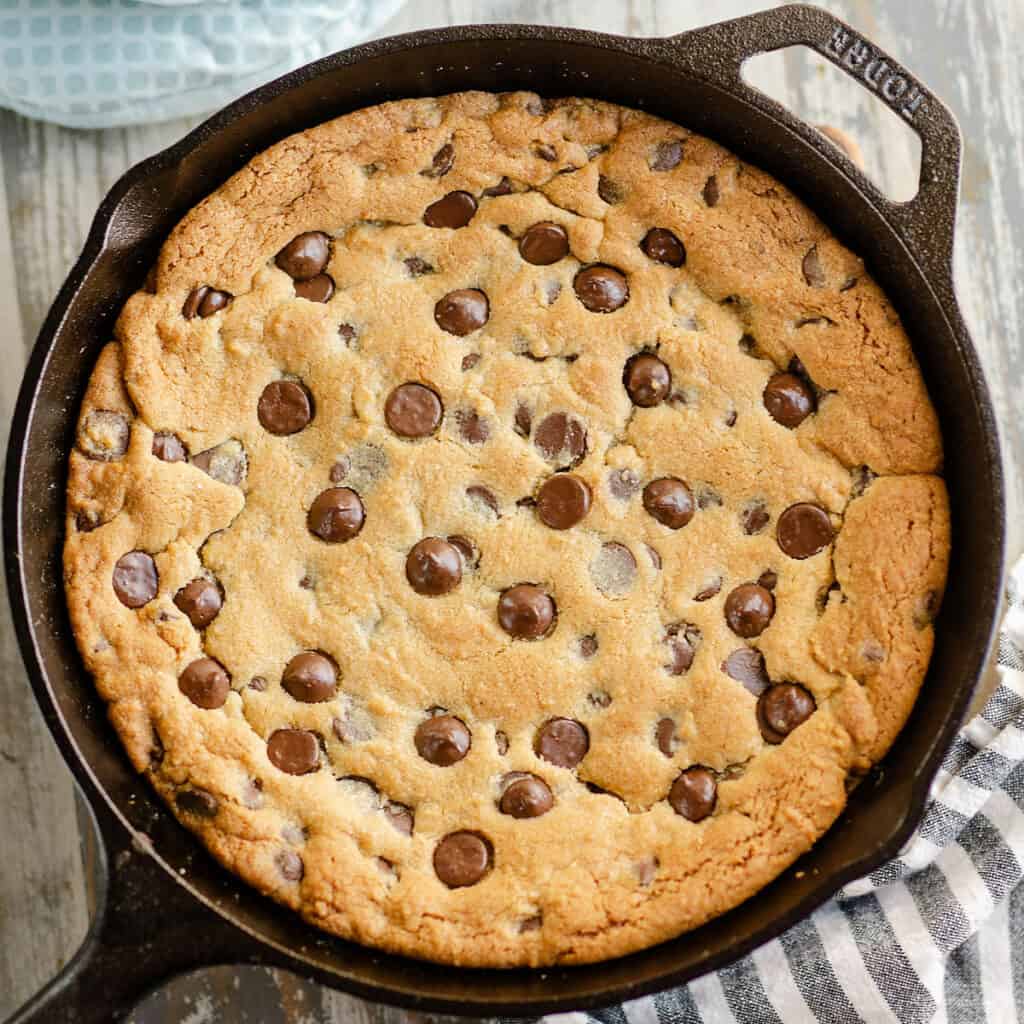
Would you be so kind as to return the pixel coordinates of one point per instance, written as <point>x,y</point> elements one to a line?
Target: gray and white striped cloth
<point>935,936</point>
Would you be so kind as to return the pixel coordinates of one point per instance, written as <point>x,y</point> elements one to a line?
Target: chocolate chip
<point>197,802</point>
<point>527,797</point>
<point>433,567</point>
<point>545,152</point>
<point>667,155</point>
<point>204,301</point>
<point>600,699</point>
<point>862,477</point>
<point>813,271</point>
<point>483,495</point>
<point>533,923</point>
<point>201,601</point>
<point>285,407</point>
<point>662,246</point>
<point>562,741</point>
<point>473,428</point>
<point>310,677</point>
<point>781,708</point>
<point>768,579</point>
<point>305,256</point>
<point>610,191</point>
<point>709,589</point>
<point>462,311</point>
<point>469,361</point>
<point>788,399</point>
<point>501,742</point>
<point>647,380</point>
<point>206,683</point>
<point>503,188</point>
<point>561,439</point>
<point>462,858</point>
<point>544,243</point>
<point>613,570</point>
<point>454,210</point>
<point>526,612</point>
<point>289,863</point>
<point>168,447</point>
<point>135,579</point>
<point>258,683</point>
<point>694,793</point>
<point>563,500</point>
<point>623,483</point>
<point>443,740</point>
<point>682,640</point>
<point>467,550</point>
<point>399,817</point>
<point>665,736</point>
<point>711,191</point>
<point>347,333</point>
<point>601,289</point>
<point>104,435</point>
<point>754,517</point>
<point>746,666</point>
<point>804,530</point>
<point>708,497</point>
<point>417,266</point>
<point>316,289</point>
<point>669,501</point>
<point>748,610</point>
<point>587,646</point>
<point>523,421</point>
<point>226,462</point>
<point>442,162</point>
<point>336,515</point>
<point>295,751</point>
<point>340,470</point>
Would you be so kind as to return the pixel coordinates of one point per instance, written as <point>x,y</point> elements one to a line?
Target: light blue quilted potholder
<point>97,63</point>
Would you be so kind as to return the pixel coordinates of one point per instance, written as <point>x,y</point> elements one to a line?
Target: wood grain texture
<point>52,180</point>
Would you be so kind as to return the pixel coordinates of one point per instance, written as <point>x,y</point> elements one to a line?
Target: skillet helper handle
<point>147,929</point>
<point>925,223</point>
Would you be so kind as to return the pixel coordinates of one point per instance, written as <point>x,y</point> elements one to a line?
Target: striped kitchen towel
<point>935,936</point>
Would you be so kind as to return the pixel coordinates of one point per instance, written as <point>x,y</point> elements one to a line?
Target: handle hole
<point>816,91</point>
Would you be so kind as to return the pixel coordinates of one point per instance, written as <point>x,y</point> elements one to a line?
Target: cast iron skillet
<point>164,906</point>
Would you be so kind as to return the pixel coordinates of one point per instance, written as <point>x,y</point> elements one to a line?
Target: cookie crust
<point>638,633</point>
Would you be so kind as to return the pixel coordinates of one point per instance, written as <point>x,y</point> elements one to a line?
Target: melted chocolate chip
<point>694,793</point>
<point>462,311</point>
<point>289,863</point>
<point>746,666</point>
<point>709,589</point>
<point>454,210</point>
<point>711,192</point>
<point>781,708</point>
<point>226,462</point>
<point>665,736</point>
<point>587,646</point>
<point>669,501</point>
<point>544,243</point>
<point>336,515</point>
<point>803,530</point>
<point>754,517</point>
<point>206,683</point>
<point>748,610</point>
<point>561,439</point>
<point>667,155</point>
<point>443,740</point>
<point>523,421</point>
<point>310,677</point>
<point>526,797</point>
<point>563,500</point>
<point>399,817</point>
<point>609,191</point>
<point>413,410</point>
<point>417,266</point>
<point>201,601</point>
<point>197,802</point>
<point>662,246</point>
<point>469,361</point>
<point>501,742</point>
<point>305,256</point>
<point>601,289</point>
<point>204,301</point>
<point>484,496</point>
<point>462,859</point>
<point>104,435</point>
<point>614,569</point>
<point>135,579</point>
<point>316,289</point>
<point>647,380</point>
<point>168,447</point>
<point>285,407</point>
<point>623,483</point>
<point>503,188</point>
<point>768,579</point>
<point>347,333</point>
<point>433,567</point>
<point>682,640</point>
<point>442,162</point>
<point>788,399</point>
<point>546,152</point>
<point>813,271</point>
<point>295,751</point>
<point>562,741</point>
<point>467,551</point>
<point>473,428</point>
<point>526,612</point>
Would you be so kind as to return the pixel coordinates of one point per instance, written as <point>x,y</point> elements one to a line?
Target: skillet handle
<point>147,929</point>
<point>925,223</point>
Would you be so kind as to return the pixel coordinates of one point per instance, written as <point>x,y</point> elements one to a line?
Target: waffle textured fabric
<point>102,63</point>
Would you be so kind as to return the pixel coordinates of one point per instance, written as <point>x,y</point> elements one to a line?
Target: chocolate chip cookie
<point>483,472</point>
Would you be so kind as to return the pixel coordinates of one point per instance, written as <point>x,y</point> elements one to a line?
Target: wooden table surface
<point>52,180</point>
